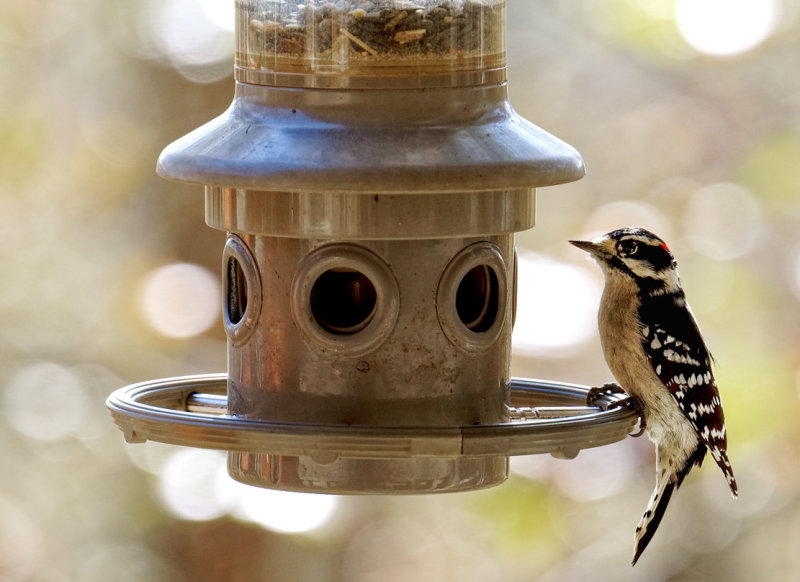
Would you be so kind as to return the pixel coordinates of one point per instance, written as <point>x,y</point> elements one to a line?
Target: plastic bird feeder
<point>371,175</point>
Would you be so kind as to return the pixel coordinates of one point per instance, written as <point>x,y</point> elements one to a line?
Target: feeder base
<point>366,476</point>
<point>546,417</point>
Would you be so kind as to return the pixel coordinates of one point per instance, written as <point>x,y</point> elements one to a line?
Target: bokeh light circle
<point>723,221</point>
<point>556,306</point>
<point>180,300</point>
<point>725,27</point>
<point>196,37</point>
<point>45,401</point>
<point>283,511</point>
<point>192,485</point>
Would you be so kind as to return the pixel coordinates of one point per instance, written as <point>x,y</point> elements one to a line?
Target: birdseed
<point>397,29</point>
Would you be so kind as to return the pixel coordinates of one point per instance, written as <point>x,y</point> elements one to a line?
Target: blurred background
<point>687,113</point>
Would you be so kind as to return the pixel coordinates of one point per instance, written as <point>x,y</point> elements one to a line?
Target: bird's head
<point>635,253</point>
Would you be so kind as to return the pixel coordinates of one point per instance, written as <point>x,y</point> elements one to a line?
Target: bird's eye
<point>628,247</point>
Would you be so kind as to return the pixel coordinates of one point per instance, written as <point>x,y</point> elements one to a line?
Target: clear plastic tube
<point>370,37</point>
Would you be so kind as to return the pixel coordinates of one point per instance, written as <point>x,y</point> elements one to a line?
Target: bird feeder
<point>370,174</point>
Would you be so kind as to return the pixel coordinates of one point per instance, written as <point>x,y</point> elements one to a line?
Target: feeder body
<point>399,353</point>
<point>334,328</point>
<point>371,175</point>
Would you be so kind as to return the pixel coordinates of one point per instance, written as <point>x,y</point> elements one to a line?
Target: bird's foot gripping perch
<point>610,388</point>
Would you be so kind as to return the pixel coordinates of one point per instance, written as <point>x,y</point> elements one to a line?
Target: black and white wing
<point>680,358</point>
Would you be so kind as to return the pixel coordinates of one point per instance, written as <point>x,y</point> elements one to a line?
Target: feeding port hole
<point>344,298</point>
<point>343,301</point>
<point>237,291</point>
<point>477,299</point>
<point>472,297</point>
<point>242,294</point>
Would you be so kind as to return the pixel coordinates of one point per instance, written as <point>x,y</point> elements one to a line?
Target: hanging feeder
<point>371,175</point>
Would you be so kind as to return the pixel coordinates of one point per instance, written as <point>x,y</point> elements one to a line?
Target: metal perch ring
<point>546,417</point>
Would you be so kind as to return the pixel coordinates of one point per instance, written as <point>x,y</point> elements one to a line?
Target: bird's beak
<point>590,247</point>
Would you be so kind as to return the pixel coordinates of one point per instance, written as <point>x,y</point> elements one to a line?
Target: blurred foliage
<point>90,95</point>
<point>771,168</point>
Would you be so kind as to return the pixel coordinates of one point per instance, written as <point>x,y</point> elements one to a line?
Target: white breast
<point>620,336</point>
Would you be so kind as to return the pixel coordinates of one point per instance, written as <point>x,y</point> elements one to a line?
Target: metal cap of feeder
<point>371,175</point>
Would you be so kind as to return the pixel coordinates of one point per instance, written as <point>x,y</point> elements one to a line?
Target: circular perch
<point>545,417</point>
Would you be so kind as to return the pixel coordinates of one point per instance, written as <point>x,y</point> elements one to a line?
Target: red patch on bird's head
<point>664,246</point>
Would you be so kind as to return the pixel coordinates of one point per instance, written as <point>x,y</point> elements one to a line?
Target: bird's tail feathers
<point>721,458</point>
<point>667,481</point>
<point>652,516</point>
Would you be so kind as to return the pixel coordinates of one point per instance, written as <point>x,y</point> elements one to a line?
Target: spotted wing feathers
<point>680,358</point>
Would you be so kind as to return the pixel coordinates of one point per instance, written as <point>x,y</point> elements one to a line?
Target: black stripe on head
<point>639,245</point>
<point>659,257</point>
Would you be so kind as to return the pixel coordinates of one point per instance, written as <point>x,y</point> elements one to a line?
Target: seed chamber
<point>371,37</point>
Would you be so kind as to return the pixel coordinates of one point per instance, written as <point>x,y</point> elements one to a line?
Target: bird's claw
<point>613,388</point>
<point>636,404</point>
<point>606,389</point>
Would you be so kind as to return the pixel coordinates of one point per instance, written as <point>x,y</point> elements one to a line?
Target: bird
<point>655,350</point>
